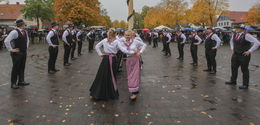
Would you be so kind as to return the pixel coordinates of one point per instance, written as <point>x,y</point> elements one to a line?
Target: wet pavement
<point>172,92</point>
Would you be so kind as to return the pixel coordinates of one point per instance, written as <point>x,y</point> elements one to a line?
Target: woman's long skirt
<point>133,71</point>
<point>104,86</point>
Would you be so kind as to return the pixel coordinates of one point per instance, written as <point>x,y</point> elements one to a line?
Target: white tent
<point>162,27</point>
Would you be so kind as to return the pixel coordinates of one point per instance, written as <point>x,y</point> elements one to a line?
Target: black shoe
<point>231,83</point>
<point>56,70</point>
<point>23,84</point>
<point>13,86</point>
<point>73,58</point>
<point>178,58</point>
<point>51,72</point>
<point>213,72</point>
<point>207,70</point>
<point>243,87</point>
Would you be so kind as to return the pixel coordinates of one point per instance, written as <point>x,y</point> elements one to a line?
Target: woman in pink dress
<point>133,48</point>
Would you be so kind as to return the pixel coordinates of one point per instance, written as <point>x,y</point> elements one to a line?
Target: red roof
<point>10,11</point>
<point>237,16</point>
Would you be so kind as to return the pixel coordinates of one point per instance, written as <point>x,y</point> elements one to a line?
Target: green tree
<point>39,10</point>
<point>139,18</point>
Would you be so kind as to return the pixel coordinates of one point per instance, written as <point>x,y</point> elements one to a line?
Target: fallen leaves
<point>251,123</point>
<point>116,115</point>
<point>205,113</point>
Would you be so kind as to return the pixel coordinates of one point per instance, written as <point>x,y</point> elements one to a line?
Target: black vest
<point>81,36</point>
<point>21,41</point>
<point>209,43</point>
<point>74,36</point>
<point>92,35</point>
<point>179,39</point>
<point>193,40</point>
<point>55,38</point>
<point>241,45</point>
<point>69,37</point>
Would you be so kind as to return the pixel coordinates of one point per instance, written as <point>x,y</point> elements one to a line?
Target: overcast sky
<point>117,9</point>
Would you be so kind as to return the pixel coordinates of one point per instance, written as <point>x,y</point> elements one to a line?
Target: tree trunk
<point>38,22</point>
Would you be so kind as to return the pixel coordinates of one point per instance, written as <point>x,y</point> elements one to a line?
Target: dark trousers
<point>67,49</point>
<point>167,49</point>
<point>73,48</point>
<point>155,42</point>
<point>181,51</point>
<point>53,53</point>
<point>79,47</point>
<point>149,40</point>
<point>164,46</point>
<point>242,61</point>
<point>194,53</point>
<point>19,61</point>
<point>211,59</point>
<point>91,45</point>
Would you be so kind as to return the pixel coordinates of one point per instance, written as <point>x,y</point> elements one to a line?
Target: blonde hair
<point>130,32</point>
<point>111,33</point>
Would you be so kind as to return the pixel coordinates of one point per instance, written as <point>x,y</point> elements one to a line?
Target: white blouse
<point>130,49</point>
<point>109,48</point>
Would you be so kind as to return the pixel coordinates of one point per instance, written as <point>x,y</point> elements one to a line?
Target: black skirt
<point>103,87</point>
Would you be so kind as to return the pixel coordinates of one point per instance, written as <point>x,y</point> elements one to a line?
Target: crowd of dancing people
<point>115,46</point>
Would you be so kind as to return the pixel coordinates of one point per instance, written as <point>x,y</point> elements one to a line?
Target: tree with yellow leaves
<point>78,11</point>
<point>169,13</point>
<point>119,24</point>
<point>116,24</point>
<point>253,16</point>
<point>204,12</point>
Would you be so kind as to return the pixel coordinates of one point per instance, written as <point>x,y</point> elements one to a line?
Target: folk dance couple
<point>105,84</point>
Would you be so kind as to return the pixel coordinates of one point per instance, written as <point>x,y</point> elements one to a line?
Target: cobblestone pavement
<point>172,92</point>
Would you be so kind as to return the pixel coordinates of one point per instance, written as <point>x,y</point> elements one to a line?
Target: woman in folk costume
<point>133,48</point>
<point>104,86</point>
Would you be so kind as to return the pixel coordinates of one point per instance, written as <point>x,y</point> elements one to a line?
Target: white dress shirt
<point>183,38</point>
<point>250,39</point>
<point>78,34</point>
<point>197,38</point>
<point>134,46</point>
<point>109,48</point>
<point>216,38</point>
<point>49,36</point>
<point>65,34</point>
<point>12,36</point>
<point>169,37</point>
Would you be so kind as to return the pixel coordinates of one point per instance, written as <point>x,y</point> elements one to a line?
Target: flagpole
<point>130,18</point>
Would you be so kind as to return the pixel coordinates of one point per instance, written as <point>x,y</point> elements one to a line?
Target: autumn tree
<point>139,18</point>
<point>116,24</point>
<point>253,16</point>
<point>204,12</point>
<point>123,24</point>
<point>38,9</point>
<point>78,11</point>
<point>105,19</point>
<point>170,13</point>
